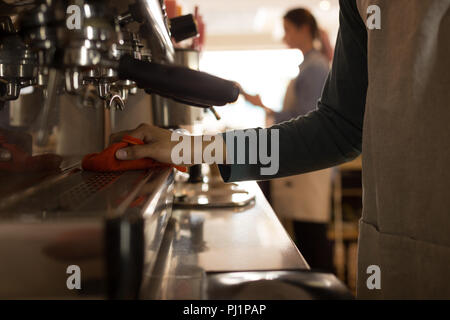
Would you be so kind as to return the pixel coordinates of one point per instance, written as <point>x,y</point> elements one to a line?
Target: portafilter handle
<point>179,83</point>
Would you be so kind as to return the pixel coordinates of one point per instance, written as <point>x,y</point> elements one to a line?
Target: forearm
<point>332,134</point>
<point>316,141</point>
<point>207,149</point>
<point>282,116</point>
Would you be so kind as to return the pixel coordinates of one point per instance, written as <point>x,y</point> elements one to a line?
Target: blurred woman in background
<point>303,202</point>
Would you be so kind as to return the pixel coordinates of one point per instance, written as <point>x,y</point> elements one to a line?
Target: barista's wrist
<point>206,149</point>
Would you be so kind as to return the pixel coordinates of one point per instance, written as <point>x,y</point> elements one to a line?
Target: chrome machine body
<point>63,90</point>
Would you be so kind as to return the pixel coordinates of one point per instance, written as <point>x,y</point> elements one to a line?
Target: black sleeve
<point>331,134</point>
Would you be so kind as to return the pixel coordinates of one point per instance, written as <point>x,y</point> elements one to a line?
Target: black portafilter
<point>179,83</point>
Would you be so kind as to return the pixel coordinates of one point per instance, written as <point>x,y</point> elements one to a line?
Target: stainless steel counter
<point>120,230</point>
<point>201,242</point>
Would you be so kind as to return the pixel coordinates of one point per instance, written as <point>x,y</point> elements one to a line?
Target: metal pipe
<point>153,14</point>
<point>54,79</point>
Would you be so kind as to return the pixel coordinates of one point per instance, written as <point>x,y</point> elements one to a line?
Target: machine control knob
<point>183,27</point>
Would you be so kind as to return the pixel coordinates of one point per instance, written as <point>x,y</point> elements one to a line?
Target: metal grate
<point>66,195</point>
<point>82,192</point>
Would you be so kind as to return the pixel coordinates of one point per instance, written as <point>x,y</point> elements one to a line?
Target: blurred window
<point>263,72</point>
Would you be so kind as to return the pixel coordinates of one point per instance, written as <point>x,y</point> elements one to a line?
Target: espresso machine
<point>71,73</point>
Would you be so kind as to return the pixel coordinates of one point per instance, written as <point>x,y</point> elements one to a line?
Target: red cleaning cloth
<point>21,161</point>
<point>106,161</point>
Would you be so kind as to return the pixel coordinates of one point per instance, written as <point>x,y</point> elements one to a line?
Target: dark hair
<point>301,17</point>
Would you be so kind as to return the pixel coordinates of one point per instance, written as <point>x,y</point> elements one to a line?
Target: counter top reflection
<point>202,241</point>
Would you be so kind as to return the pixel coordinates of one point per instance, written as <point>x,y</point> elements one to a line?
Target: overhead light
<point>325,5</point>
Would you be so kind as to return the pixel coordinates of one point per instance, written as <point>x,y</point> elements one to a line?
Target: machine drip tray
<point>74,191</point>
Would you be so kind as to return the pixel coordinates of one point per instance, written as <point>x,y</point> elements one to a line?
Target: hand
<point>268,111</point>
<point>255,100</point>
<point>158,144</point>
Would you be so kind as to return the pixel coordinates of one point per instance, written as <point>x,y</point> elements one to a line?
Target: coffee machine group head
<point>43,44</point>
